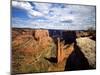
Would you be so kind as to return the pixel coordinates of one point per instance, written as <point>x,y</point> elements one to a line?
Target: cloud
<point>83,14</point>
<point>67,21</point>
<point>55,14</point>
<point>26,6</point>
<point>22,5</point>
<point>58,13</point>
<point>53,11</point>
<point>42,7</point>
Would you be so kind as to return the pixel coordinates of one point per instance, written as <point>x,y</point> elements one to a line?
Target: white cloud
<point>26,6</point>
<point>42,7</point>
<point>22,5</point>
<point>58,14</point>
<point>81,16</point>
<point>33,13</point>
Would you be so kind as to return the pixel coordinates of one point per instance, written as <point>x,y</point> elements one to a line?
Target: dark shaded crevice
<point>51,59</point>
<point>69,37</point>
<point>76,61</point>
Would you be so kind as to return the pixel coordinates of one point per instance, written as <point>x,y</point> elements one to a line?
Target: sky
<point>29,14</point>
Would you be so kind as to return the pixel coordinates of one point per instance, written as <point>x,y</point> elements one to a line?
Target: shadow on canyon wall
<point>76,60</point>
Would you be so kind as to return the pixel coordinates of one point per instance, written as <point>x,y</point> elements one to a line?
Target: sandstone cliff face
<point>29,47</point>
<point>43,38</point>
<point>87,46</point>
